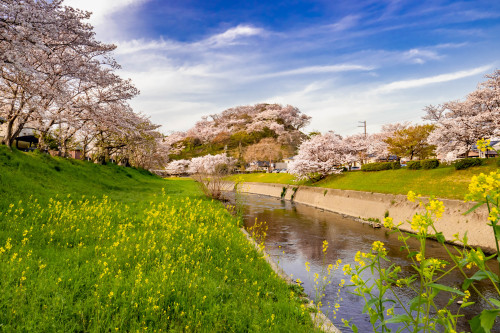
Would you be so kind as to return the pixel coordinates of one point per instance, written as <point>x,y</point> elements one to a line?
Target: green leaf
<point>412,254</point>
<point>496,229</point>
<point>414,303</point>
<point>466,284</point>
<point>476,206</point>
<point>354,328</point>
<point>488,318</point>
<point>464,305</point>
<point>446,288</point>
<point>440,238</point>
<point>369,304</point>
<point>398,319</point>
<point>481,275</point>
<point>475,325</point>
<point>495,301</point>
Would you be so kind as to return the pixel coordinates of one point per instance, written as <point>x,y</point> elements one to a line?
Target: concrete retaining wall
<point>374,205</point>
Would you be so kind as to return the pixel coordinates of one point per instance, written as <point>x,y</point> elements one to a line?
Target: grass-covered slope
<point>443,182</point>
<point>103,248</point>
<point>43,176</point>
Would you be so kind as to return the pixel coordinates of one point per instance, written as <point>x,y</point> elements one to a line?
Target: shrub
<point>429,164</point>
<point>380,166</point>
<point>414,165</point>
<point>467,163</point>
<point>498,161</point>
<point>396,165</point>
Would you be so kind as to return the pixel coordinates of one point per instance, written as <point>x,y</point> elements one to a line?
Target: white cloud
<point>230,36</point>
<point>407,84</point>
<point>420,56</point>
<point>345,23</point>
<point>102,9</point>
<point>318,70</point>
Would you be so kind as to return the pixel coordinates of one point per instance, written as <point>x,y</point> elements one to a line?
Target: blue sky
<point>338,61</point>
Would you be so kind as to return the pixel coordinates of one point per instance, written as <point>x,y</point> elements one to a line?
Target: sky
<point>339,61</point>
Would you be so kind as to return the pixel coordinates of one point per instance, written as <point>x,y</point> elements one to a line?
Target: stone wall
<point>375,205</point>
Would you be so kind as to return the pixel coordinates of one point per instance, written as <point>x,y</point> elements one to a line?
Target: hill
<point>91,248</point>
<point>235,129</point>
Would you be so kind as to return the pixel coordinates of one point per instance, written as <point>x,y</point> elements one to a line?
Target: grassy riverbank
<point>443,182</point>
<point>103,248</point>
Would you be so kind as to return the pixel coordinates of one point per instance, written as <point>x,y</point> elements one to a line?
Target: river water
<point>295,234</point>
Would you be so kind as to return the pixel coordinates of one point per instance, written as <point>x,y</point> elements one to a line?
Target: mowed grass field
<point>443,182</point>
<point>89,248</point>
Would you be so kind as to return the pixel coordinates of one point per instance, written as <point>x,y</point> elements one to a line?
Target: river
<point>295,234</point>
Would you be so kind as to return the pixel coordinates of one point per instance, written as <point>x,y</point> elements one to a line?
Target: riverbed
<point>295,234</point>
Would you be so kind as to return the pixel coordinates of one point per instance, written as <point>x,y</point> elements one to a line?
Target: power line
<point>364,125</point>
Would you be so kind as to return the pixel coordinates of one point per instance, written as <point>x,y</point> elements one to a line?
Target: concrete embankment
<point>367,205</point>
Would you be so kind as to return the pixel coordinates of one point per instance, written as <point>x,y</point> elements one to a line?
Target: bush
<point>380,166</point>
<point>467,163</point>
<point>396,165</point>
<point>413,165</point>
<point>423,164</point>
<point>498,161</point>
<point>429,164</point>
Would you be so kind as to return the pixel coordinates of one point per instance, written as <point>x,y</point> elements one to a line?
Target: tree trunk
<point>9,138</point>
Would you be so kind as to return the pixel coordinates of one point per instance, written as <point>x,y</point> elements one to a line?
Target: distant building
<point>27,138</point>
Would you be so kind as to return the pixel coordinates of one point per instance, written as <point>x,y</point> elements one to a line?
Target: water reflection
<point>295,235</point>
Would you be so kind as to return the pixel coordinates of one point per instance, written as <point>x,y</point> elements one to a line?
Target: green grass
<point>103,248</point>
<point>443,182</point>
<point>279,178</point>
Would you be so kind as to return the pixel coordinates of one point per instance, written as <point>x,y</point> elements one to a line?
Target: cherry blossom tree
<point>45,47</point>
<point>459,124</point>
<point>210,164</point>
<point>179,167</point>
<point>285,122</point>
<point>320,156</point>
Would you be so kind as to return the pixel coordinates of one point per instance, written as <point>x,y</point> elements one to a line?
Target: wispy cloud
<point>318,70</point>
<point>419,56</point>
<point>407,84</point>
<point>345,23</point>
<point>230,37</point>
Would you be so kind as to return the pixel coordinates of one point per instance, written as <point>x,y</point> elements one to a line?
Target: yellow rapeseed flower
<point>483,144</point>
<point>378,246</point>
<point>494,214</point>
<point>388,222</point>
<point>435,207</point>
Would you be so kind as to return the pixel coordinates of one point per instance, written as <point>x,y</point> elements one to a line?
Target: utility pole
<point>364,125</point>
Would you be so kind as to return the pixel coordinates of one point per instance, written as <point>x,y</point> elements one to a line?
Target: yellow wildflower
<point>325,246</point>
<point>411,196</point>
<point>388,222</point>
<point>436,207</point>
<point>379,247</point>
<point>483,144</point>
<point>494,214</point>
